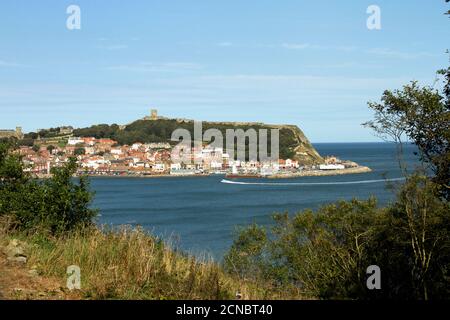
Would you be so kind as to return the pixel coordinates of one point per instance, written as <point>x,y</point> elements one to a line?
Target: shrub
<point>319,252</point>
<point>58,203</point>
<point>412,243</point>
<point>326,253</point>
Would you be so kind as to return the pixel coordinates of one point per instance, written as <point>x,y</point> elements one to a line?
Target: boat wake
<point>311,183</point>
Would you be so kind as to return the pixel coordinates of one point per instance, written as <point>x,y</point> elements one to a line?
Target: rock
<point>19,259</point>
<point>14,247</point>
<point>15,252</point>
<point>33,272</point>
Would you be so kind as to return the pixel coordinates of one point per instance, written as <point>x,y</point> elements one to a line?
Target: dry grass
<point>131,264</point>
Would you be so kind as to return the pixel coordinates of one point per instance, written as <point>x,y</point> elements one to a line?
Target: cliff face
<point>305,153</point>
<point>292,138</point>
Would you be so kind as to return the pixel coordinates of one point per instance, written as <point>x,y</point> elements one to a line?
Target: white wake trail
<point>311,183</point>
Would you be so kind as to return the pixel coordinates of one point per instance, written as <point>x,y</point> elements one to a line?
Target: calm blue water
<point>201,213</point>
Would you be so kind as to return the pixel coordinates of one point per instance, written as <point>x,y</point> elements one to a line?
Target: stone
<point>15,252</point>
<point>19,259</point>
<point>33,272</point>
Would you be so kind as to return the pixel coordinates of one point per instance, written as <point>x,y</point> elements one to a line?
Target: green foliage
<point>326,253</point>
<point>423,115</point>
<point>31,136</point>
<point>9,141</point>
<point>320,252</point>
<point>50,148</point>
<point>46,133</point>
<point>28,142</point>
<point>11,168</point>
<point>79,151</point>
<point>245,255</point>
<point>412,243</point>
<point>57,204</point>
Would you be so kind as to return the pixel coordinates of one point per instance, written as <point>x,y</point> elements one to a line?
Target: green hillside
<point>293,143</point>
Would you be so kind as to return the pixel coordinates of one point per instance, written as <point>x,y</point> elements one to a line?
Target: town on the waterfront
<point>107,157</point>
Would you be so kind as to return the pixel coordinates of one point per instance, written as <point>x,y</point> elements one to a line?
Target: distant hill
<point>293,142</point>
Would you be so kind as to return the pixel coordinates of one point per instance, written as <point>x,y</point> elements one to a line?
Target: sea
<point>201,215</point>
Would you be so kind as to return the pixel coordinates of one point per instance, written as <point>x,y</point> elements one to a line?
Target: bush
<point>57,204</point>
<point>412,243</point>
<point>326,253</point>
<point>319,252</point>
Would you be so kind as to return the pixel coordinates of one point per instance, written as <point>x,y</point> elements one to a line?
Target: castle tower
<point>154,114</point>
<point>19,133</point>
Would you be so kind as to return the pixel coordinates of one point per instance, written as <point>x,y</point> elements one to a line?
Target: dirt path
<point>19,282</point>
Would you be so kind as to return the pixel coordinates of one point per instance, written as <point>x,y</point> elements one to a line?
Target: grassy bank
<point>129,264</point>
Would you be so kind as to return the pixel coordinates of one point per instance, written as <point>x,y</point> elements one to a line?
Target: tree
<point>26,142</point>
<point>412,243</point>
<point>50,148</point>
<point>11,168</point>
<point>321,253</point>
<point>58,204</point>
<point>79,151</point>
<point>422,115</point>
<point>325,253</point>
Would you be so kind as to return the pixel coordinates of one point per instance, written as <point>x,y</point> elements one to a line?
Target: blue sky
<point>310,63</point>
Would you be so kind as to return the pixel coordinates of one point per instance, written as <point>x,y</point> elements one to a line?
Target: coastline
<point>287,175</point>
<point>139,176</point>
<point>319,173</point>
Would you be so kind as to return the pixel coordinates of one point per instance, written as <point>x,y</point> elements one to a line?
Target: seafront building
<point>107,157</point>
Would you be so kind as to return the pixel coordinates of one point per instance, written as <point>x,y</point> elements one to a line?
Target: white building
<point>74,141</point>
<point>89,150</point>
<point>159,167</point>
<point>269,168</point>
<point>216,165</point>
<point>116,151</point>
<point>95,163</point>
<point>291,163</point>
<point>136,146</point>
<point>331,167</point>
<point>158,145</point>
